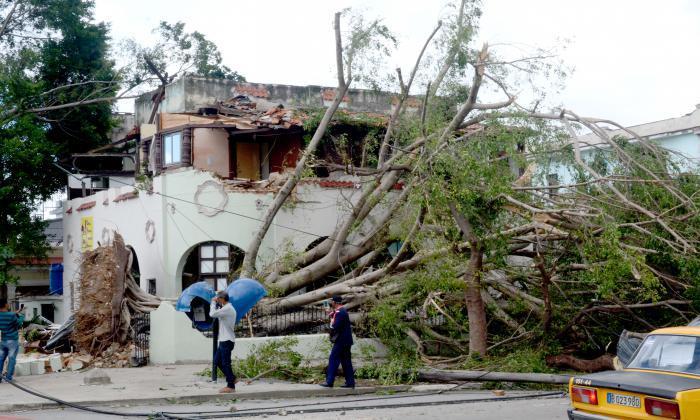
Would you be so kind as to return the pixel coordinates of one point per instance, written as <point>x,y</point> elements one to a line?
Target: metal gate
<point>140,335</point>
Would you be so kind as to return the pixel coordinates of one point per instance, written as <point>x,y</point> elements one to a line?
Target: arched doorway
<point>215,262</point>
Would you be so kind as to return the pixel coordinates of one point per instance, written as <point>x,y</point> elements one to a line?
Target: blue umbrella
<point>200,289</point>
<point>194,301</point>
<point>244,294</point>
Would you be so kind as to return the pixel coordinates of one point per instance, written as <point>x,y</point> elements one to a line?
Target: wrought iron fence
<point>140,335</point>
<point>270,321</point>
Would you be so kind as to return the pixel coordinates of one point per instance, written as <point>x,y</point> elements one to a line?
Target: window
<point>47,311</point>
<point>99,182</point>
<point>172,148</point>
<point>673,353</point>
<point>152,286</point>
<point>553,181</point>
<point>214,261</point>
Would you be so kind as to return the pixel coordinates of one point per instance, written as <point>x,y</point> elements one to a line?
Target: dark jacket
<point>341,328</point>
<point>10,323</point>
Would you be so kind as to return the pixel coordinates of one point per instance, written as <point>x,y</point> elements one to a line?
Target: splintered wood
<point>109,297</point>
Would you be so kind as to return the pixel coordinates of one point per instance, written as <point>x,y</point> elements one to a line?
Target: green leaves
<point>616,272</point>
<point>178,52</point>
<point>54,55</point>
<point>473,174</point>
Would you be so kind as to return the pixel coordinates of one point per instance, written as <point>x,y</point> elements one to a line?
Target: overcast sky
<point>635,61</point>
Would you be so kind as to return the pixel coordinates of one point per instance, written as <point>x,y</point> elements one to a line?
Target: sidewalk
<point>167,384</point>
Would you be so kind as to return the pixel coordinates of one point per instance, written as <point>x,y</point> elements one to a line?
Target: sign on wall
<point>86,233</point>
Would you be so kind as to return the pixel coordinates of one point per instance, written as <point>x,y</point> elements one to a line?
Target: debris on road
<point>97,376</point>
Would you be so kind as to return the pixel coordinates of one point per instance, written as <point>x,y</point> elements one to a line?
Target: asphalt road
<point>366,407</point>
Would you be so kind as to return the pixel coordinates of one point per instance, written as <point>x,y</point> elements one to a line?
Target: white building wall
<point>173,340</point>
<point>685,148</point>
<point>182,218</point>
<point>32,306</point>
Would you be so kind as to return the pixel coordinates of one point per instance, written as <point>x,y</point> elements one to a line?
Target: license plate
<point>624,400</point>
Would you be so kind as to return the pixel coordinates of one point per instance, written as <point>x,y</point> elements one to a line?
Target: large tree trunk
<point>546,280</point>
<point>435,375</point>
<point>476,311</point>
<point>604,362</point>
<point>251,255</point>
<point>475,305</point>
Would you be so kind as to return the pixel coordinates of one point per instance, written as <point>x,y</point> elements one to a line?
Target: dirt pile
<point>110,299</point>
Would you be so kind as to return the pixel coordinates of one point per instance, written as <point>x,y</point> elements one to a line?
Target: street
<point>402,406</point>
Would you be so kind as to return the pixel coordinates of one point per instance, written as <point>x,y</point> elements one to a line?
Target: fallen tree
<point>490,252</point>
<point>435,375</point>
<point>567,361</point>
<point>109,298</point>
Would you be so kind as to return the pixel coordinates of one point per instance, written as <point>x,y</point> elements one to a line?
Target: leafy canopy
<point>52,53</point>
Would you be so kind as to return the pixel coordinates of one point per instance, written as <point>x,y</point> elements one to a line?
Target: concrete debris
<point>38,364</point>
<point>276,117</point>
<point>97,376</point>
<point>75,365</point>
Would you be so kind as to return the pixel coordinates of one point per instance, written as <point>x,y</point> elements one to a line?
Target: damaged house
<point>187,185</point>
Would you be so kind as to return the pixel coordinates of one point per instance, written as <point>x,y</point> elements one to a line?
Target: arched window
<point>214,263</point>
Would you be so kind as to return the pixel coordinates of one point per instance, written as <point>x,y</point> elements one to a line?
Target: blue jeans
<point>223,362</point>
<point>8,350</point>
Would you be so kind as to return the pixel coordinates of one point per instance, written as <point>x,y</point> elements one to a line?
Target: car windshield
<point>673,353</point>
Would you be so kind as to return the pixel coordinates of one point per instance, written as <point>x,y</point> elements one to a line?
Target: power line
<point>297,408</point>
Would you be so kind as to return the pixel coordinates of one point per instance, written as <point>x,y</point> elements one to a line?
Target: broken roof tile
<point>126,196</point>
<point>329,95</point>
<point>259,91</point>
<point>337,184</point>
<point>87,205</point>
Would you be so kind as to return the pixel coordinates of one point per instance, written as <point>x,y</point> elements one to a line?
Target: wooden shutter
<point>186,153</point>
<point>158,152</point>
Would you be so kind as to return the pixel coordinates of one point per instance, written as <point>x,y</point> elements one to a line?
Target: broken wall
<point>189,93</point>
<point>284,152</point>
<point>210,151</point>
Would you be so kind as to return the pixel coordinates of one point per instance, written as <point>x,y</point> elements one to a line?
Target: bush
<point>396,370</point>
<point>273,359</point>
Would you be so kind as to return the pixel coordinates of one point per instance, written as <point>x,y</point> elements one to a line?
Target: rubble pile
<point>273,184</point>
<point>114,356</point>
<point>38,335</point>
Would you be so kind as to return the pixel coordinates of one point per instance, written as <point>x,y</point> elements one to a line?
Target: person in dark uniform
<point>341,337</point>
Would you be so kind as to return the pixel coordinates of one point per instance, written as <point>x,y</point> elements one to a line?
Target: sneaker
<point>348,386</point>
<point>227,390</point>
<point>326,385</point>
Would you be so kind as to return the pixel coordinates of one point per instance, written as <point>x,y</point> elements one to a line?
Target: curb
<point>185,399</point>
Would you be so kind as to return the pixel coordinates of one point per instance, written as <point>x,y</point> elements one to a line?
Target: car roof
<point>678,331</point>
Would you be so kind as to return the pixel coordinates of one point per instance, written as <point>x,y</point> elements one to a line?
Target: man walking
<point>222,310</point>
<point>10,323</point>
<point>341,337</point>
